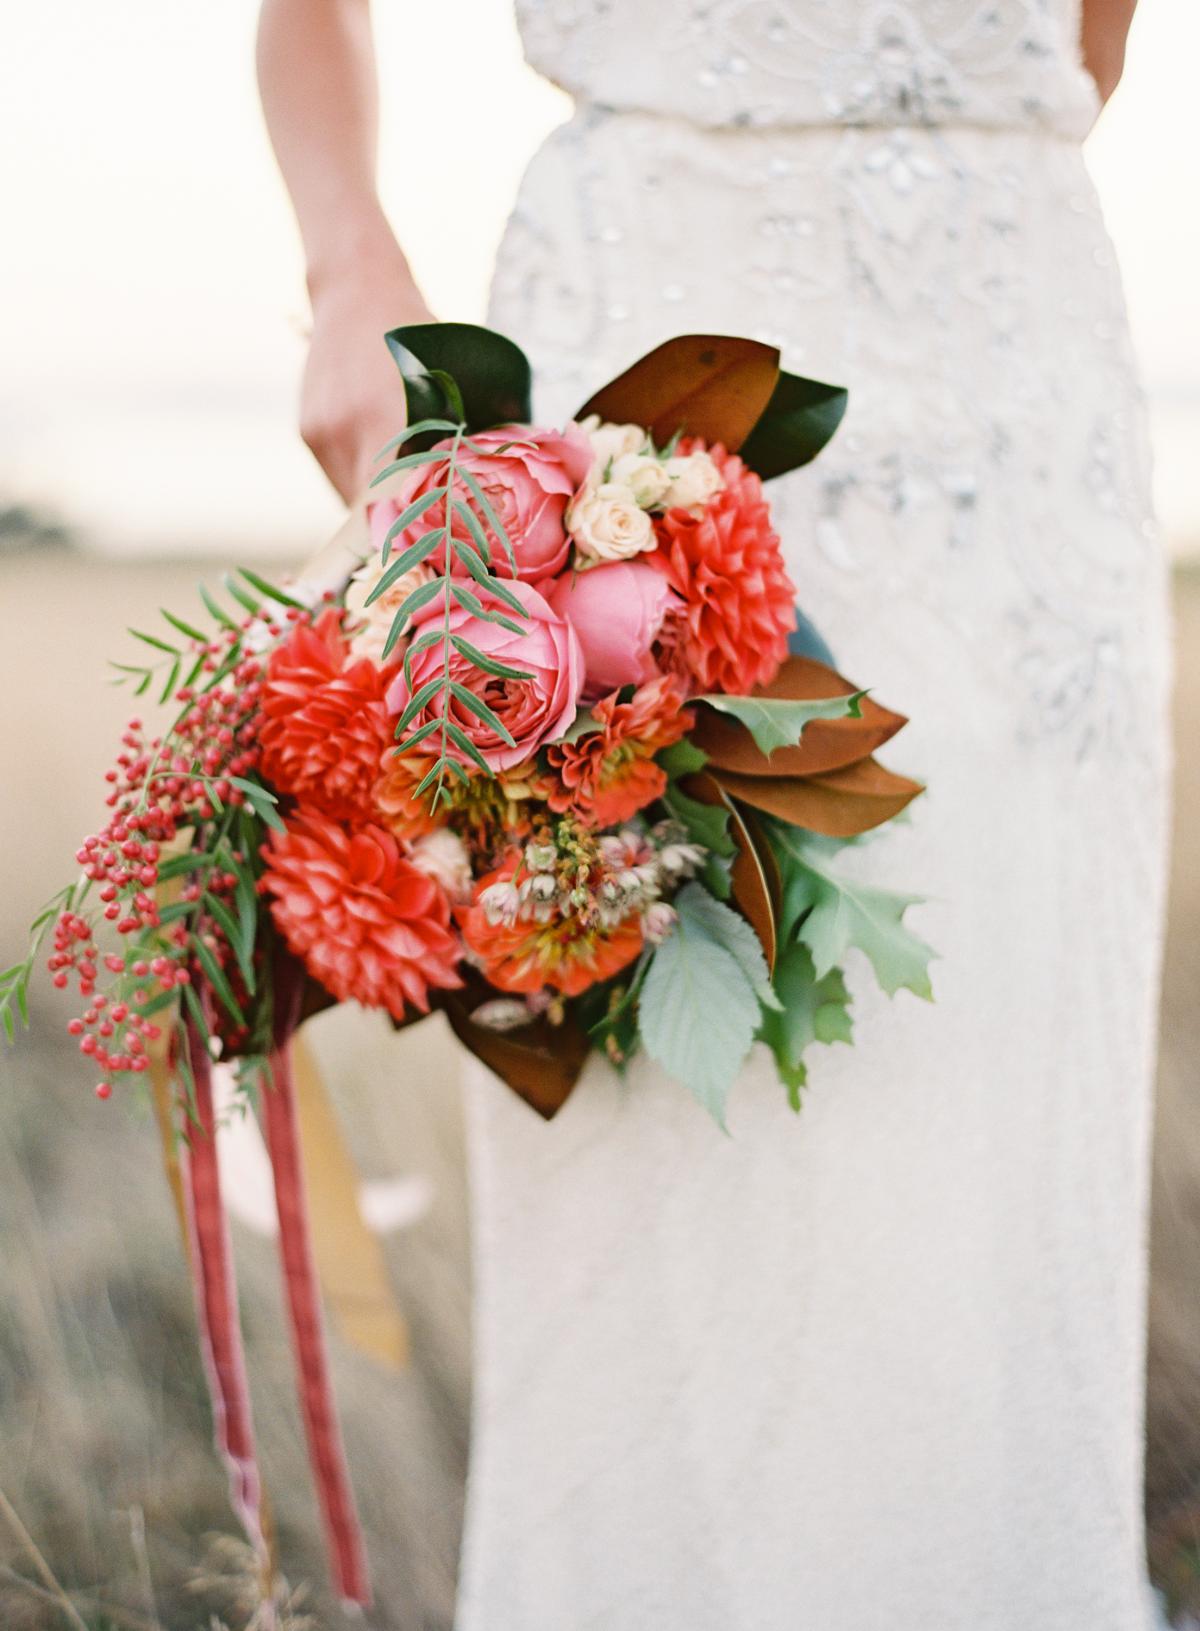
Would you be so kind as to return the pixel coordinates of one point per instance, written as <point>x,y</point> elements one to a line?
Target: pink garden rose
<point>535,710</point>
<point>620,613</point>
<point>529,486</point>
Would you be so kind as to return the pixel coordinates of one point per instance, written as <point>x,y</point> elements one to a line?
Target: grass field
<point>105,1458</point>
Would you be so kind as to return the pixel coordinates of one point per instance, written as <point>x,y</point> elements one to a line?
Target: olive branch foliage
<point>491,600</point>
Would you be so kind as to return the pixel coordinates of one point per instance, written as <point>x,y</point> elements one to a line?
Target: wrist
<point>354,242</point>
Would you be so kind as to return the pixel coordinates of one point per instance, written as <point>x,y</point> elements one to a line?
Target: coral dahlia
<point>367,923</point>
<point>325,722</point>
<point>726,562</point>
<point>609,774</point>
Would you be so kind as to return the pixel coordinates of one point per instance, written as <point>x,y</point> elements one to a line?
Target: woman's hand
<point>352,400</point>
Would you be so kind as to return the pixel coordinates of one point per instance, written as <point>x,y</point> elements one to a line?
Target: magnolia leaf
<point>797,422</point>
<point>843,804</point>
<point>697,1012</point>
<point>809,1010</point>
<point>825,744</point>
<point>778,722</point>
<point>492,375</point>
<point>715,386</point>
<point>836,913</point>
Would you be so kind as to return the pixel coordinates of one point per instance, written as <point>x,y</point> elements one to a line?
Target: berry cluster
<point>165,792</point>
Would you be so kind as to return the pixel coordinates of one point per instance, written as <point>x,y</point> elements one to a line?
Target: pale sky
<point>151,298</point>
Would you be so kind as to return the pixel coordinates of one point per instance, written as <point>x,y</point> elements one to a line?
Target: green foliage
<point>464,373</point>
<point>778,722</point>
<point>699,1008</point>
<point>831,914</point>
<point>800,418</point>
<point>452,743</point>
<point>808,1010</point>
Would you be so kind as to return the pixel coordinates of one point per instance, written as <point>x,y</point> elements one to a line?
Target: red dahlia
<point>725,561</point>
<point>366,923</point>
<point>325,723</point>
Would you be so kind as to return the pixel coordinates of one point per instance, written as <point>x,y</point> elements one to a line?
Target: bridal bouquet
<point>540,744</point>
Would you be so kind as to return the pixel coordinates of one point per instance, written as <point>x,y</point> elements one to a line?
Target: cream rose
<point>442,856</point>
<point>694,479</point>
<point>611,442</point>
<point>374,622</point>
<point>608,524</point>
<point>644,476</point>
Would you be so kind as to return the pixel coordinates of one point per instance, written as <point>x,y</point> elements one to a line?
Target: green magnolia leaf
<point>801,416</point>
<point>778,722</point>
<point>831,914</point>
<point>697,1013</point>
<point>492,375</point>
<point>809,1010</point>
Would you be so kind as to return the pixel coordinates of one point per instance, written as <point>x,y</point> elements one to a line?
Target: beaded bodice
<point>993,63</point>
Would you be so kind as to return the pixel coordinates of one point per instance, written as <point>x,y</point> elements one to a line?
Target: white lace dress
<point>878,1367</point>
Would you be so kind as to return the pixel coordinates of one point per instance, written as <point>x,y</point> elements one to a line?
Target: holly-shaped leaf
<point>778,722</point>
<point>831,914</point>
<point>810,1010</point>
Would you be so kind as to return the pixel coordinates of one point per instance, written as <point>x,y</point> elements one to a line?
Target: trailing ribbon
<point>216,1311</point>
<point>342,1531</point>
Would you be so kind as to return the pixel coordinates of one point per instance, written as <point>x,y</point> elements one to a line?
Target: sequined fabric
<point>880,1366</point>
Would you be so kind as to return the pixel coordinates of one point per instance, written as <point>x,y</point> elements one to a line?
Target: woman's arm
<point>316,74</point>
<point>1105,30</point>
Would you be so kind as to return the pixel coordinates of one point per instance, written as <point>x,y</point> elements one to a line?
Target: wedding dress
<point>878,1365</point>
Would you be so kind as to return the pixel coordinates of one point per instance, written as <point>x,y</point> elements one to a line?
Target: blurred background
<point>151,331</point>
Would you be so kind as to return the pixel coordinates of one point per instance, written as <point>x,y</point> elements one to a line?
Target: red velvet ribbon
<point>343,1534</point>
<point>216,1307</point>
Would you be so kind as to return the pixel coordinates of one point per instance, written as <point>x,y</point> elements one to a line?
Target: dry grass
<point>104,1436</point>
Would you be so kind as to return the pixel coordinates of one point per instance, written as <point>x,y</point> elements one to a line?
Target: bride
<point>880,1366</point>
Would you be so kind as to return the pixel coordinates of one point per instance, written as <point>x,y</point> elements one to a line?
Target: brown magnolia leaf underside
<point>711,385</point>
<point>754,875</point>
<point>540,1062</point>
<point>842,804</point>
<point>826,745</point>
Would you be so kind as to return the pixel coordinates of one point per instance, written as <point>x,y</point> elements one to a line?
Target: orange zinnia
<point>609,774</point>
<point>565,952</point>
